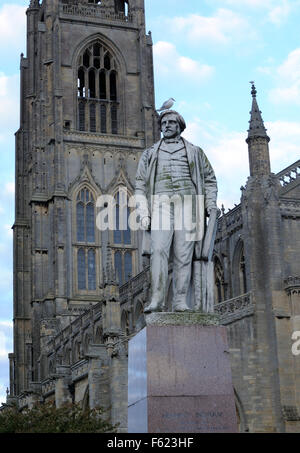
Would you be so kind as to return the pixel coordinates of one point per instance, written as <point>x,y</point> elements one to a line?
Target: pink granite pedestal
<point>179,376</point>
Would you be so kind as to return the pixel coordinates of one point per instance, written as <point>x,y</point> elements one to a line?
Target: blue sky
<point>205,54</point>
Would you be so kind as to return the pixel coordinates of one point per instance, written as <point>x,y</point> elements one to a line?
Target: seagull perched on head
<point>167,105</point>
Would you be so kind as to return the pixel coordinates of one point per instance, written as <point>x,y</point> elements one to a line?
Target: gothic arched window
<point>85,239</point>
<point>99,335</point>
<point>85,215</point>
<point>97,90</point>
<point>121,6</point>
<point>122,233</point>
<point>123,266</point>
<point>219,281</point>
<point>239,271</point>
<point>125,322</point>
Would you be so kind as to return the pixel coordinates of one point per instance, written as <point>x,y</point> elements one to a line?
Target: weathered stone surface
<point>182,319</point>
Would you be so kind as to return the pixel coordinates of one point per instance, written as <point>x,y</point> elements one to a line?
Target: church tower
<point>87,113</point>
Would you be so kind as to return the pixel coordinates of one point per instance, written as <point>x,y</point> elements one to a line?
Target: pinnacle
<point>257,128</point>
<point>34,4</point>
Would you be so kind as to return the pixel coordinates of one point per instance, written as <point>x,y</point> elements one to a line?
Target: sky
<point>205,54</point>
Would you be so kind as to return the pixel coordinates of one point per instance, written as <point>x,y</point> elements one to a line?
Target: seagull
<point>167,105</point>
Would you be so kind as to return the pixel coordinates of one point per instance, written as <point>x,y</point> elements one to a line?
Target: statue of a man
<point>174,169</point>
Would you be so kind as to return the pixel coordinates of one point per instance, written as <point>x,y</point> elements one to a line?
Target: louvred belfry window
<point>97,91</point>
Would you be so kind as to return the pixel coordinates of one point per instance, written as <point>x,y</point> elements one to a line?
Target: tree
<point>46,418</point>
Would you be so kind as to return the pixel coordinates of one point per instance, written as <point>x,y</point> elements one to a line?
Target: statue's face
<point>169,126</point>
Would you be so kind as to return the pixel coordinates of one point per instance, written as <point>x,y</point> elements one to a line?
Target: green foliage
<point>46,418</point>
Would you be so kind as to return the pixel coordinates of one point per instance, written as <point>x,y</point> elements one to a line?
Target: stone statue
<point>175,177</point>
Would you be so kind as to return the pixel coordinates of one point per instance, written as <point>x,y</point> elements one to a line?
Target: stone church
<point>87,113</point>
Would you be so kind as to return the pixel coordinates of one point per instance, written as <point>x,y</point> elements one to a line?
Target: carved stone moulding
<point>292,285</point>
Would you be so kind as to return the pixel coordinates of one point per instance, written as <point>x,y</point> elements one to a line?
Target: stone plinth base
<point>179,377</point>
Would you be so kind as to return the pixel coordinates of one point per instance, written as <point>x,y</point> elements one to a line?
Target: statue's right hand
<point>146,223</point>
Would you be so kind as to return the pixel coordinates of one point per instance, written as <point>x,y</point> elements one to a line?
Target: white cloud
<point>9,103</point>
<point>228,153</point>
<point>224,27</point>
<point>285,143</point>
<point>6,233</point>
<point>245,3</point>
<point>290,69</point>
<point>279,13</point>
<point>9,188</point>
<point>3,350</point>
<point>169,62</point>
<point>2,393</point>
<point>275,11</point>
<point>288,80</point>
<point>7,324</point>
<point>12,26</point>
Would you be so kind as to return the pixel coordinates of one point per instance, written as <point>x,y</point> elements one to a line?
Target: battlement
<point>94,11</point>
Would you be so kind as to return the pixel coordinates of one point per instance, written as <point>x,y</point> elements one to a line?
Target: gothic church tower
<point>87,112</point>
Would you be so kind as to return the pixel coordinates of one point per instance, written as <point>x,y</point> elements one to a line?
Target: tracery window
<point>219,281</point>
<point>240,285</point>
<point>85,241</point>
<point>97,91</point>
<point>122,240</point>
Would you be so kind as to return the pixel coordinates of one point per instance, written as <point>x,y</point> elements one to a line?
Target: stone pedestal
<point>179,377</point>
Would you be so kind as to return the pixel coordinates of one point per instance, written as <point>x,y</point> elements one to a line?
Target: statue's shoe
<point>153,307</point>
<point>181,308</point>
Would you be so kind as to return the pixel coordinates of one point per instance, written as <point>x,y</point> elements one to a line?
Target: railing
<point>233,219</point>
<point>87,315</point>
<point>135,284</point>
<point>234,309</point>
<point>95,11</point>
<point>48,386</point>
<point>289,174</point>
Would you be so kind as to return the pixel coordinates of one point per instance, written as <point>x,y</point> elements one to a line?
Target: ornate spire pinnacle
<point>258,141</point>
<point>257,128</point>
<point>34,4</point>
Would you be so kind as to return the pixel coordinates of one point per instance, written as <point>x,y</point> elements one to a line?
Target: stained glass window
<point>118,267</point>
<point>103,118</point>
<point>81,116</point>
<point>91,270</point>
<point>128,266</point>
<point>122,213</point>
<point>114,120</point>
<point>85,234</point>
<point>92,118</point>
<point>81,267</point>
<point>90,223</point>
<point>80,222</point>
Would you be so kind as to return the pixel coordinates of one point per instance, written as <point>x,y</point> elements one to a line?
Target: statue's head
<point>171,123</point>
